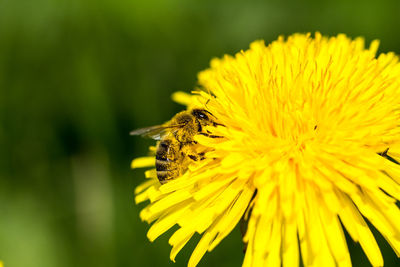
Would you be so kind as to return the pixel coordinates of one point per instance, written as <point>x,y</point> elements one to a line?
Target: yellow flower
<point>311,145</point>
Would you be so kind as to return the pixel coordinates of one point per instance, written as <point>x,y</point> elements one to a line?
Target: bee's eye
<point>200,114</point>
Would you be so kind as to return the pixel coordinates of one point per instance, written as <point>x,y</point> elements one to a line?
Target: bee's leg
<point>198,156</point>
<point>211,135</point>
<point>384,153</point>
<point>193,157</point>
<point>201,155</point>
<point>181,145</point>
<point>216,123</point>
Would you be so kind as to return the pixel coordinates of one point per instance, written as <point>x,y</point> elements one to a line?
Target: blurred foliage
<point>77,75</point>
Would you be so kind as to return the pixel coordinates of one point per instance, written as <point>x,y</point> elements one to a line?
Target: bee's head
<point>202,116</point>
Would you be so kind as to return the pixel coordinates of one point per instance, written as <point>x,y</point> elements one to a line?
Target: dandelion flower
<point>311,145</point>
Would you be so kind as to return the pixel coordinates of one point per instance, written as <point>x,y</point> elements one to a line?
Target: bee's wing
<point>154,132</point>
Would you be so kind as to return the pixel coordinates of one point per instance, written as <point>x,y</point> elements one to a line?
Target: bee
<point>176,146</point>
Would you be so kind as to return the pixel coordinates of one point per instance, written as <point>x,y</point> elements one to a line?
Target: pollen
<point>310,147</point>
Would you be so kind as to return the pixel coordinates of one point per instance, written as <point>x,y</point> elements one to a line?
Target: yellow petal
<point>182,98</point>
<point>359,231</point>
<point>290,246</point>
<point>143,162</point>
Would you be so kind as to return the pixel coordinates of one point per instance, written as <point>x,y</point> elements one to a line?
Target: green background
<point>77,75</point>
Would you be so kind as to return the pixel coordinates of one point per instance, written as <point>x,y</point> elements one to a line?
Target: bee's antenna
<point>209,93</point>
<point>208,100</point>
<point>209,97</point>
<point>214,123</point>
<point>206,110</point>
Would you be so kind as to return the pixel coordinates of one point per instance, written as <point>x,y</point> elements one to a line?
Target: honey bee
<point>176,141</point>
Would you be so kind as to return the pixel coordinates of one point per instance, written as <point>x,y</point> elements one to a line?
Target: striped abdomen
<point>167,162</point>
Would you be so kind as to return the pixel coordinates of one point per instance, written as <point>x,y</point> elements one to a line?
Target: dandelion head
<point>309,146</point>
